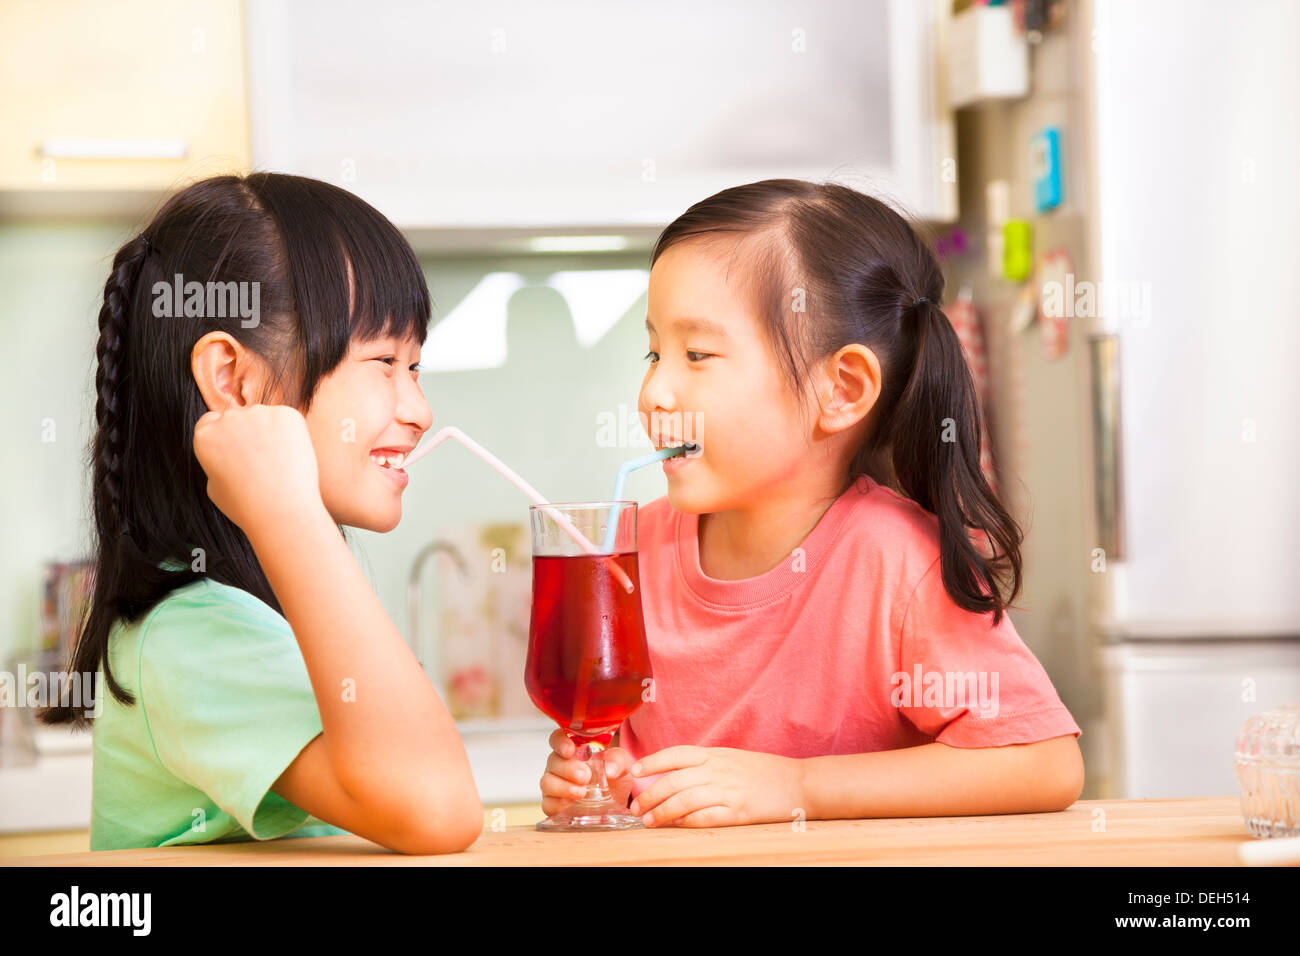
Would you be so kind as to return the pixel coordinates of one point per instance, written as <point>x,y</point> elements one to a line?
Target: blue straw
<point>626,469</point>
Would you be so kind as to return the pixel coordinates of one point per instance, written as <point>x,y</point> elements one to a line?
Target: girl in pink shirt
<point>825,585</point>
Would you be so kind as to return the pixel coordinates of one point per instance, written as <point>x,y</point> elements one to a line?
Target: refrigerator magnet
<point>1023,311</point>
<point>1017,250</point>
<point>1056,302</point>
<point>1045,167</point>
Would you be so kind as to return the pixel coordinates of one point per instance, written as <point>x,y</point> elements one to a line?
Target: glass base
<point>592,815</point>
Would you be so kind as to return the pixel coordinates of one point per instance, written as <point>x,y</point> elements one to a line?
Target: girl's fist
<point>260,463</point>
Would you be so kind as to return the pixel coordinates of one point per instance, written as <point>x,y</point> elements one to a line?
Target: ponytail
<point>934,438</point>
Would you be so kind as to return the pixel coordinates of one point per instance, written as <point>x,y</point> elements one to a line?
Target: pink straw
<point>451,431</point>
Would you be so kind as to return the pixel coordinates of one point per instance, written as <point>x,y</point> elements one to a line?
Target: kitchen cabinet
<point>105,106</point>
<point>466,121</point>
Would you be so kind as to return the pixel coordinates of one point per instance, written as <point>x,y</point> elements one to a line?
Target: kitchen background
<point>531,152</point>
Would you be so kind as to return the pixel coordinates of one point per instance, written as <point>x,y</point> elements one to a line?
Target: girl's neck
<point>746,542</point>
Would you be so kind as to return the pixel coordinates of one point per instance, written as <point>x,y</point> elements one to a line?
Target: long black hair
<point>868,277</point>
<point>328,268</point>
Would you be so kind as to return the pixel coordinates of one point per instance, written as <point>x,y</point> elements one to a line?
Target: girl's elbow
<point>434,818</point>
<point>1058,798</point>
<point>1074,789</point>
<point>453,827</point>
<point>440,841</point>
<point>1069,777</point>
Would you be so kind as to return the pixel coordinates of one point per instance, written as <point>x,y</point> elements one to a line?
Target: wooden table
<point>1200,831</point>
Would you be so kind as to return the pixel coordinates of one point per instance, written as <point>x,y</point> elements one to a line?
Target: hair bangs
<point>391,294</point>
<point>354,274</point>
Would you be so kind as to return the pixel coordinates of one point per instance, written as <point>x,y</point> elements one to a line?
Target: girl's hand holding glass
<point>567,775</point>
<point>719,787</point>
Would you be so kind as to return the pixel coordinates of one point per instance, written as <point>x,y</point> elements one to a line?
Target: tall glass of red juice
<point>588,665</point>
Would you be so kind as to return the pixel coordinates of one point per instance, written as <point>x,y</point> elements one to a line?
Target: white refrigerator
<point>1194,216</point>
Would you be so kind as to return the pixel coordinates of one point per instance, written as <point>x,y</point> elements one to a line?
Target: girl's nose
<point>657,395</point>
<point>412,408</point>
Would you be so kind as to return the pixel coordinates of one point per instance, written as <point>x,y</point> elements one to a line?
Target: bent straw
<point>627,468</point>
<point>560,518</point>
<point>624,470</point>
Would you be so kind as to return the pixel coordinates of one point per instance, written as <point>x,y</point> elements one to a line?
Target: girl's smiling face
<point>365,417</point>
<point>714,379</point>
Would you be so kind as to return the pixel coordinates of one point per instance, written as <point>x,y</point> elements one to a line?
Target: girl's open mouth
<point>677,462</point>
<point>390,461</point>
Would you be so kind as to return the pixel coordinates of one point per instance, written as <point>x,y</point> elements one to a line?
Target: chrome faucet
<point>415,596</point>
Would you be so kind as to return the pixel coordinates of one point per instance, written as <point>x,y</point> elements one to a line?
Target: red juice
<point>587,655</point>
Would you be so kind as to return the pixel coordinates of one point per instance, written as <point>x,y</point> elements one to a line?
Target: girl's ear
<point>848,387</point>
<point>227,372</point>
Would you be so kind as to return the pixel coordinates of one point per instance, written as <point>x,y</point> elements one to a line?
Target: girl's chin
<point>378,519</point>
<point>385,519</point>
<point>385,525</point>
<point>688,503</point>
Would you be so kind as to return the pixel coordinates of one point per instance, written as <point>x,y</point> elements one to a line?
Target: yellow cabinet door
<point>138,95</point>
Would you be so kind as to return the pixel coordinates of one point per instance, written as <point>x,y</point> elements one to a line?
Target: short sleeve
<point>228,702</point>
<point>967,683</point>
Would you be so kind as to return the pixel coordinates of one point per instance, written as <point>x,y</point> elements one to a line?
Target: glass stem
<point>597,787</point>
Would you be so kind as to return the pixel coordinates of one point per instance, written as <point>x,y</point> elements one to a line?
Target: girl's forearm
<point>937,780</point>
<point>387,731</point>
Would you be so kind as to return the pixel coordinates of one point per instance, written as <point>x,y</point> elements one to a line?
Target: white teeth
<point>388,461</point>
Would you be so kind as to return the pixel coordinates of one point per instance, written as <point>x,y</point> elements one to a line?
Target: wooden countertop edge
<point>1187,831</point>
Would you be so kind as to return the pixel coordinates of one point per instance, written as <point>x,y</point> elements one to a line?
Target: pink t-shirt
<point>850,645</point>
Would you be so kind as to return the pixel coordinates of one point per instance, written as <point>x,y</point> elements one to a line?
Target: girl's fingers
<point>617,762</point>
<point>561,744</point>
<point>682,804</point>
<point>571,771</point>
<point>560,789</point>
<point>617,759</point>
<point>668,785</point>
<point>708,817</point>
<point>551,805</point>
<point>670,758</point>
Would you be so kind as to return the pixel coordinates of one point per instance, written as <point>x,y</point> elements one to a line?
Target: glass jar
<point>1267,757</point>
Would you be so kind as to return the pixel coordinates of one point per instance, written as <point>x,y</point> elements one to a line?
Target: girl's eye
<point>691,356</point>
<point>417,368</point>
<point>388,359</point>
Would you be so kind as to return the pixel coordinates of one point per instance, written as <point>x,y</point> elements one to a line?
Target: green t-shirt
<point>222,706</point>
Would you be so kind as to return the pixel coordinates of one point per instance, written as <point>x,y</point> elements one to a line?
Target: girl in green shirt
<point>256,389</point>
